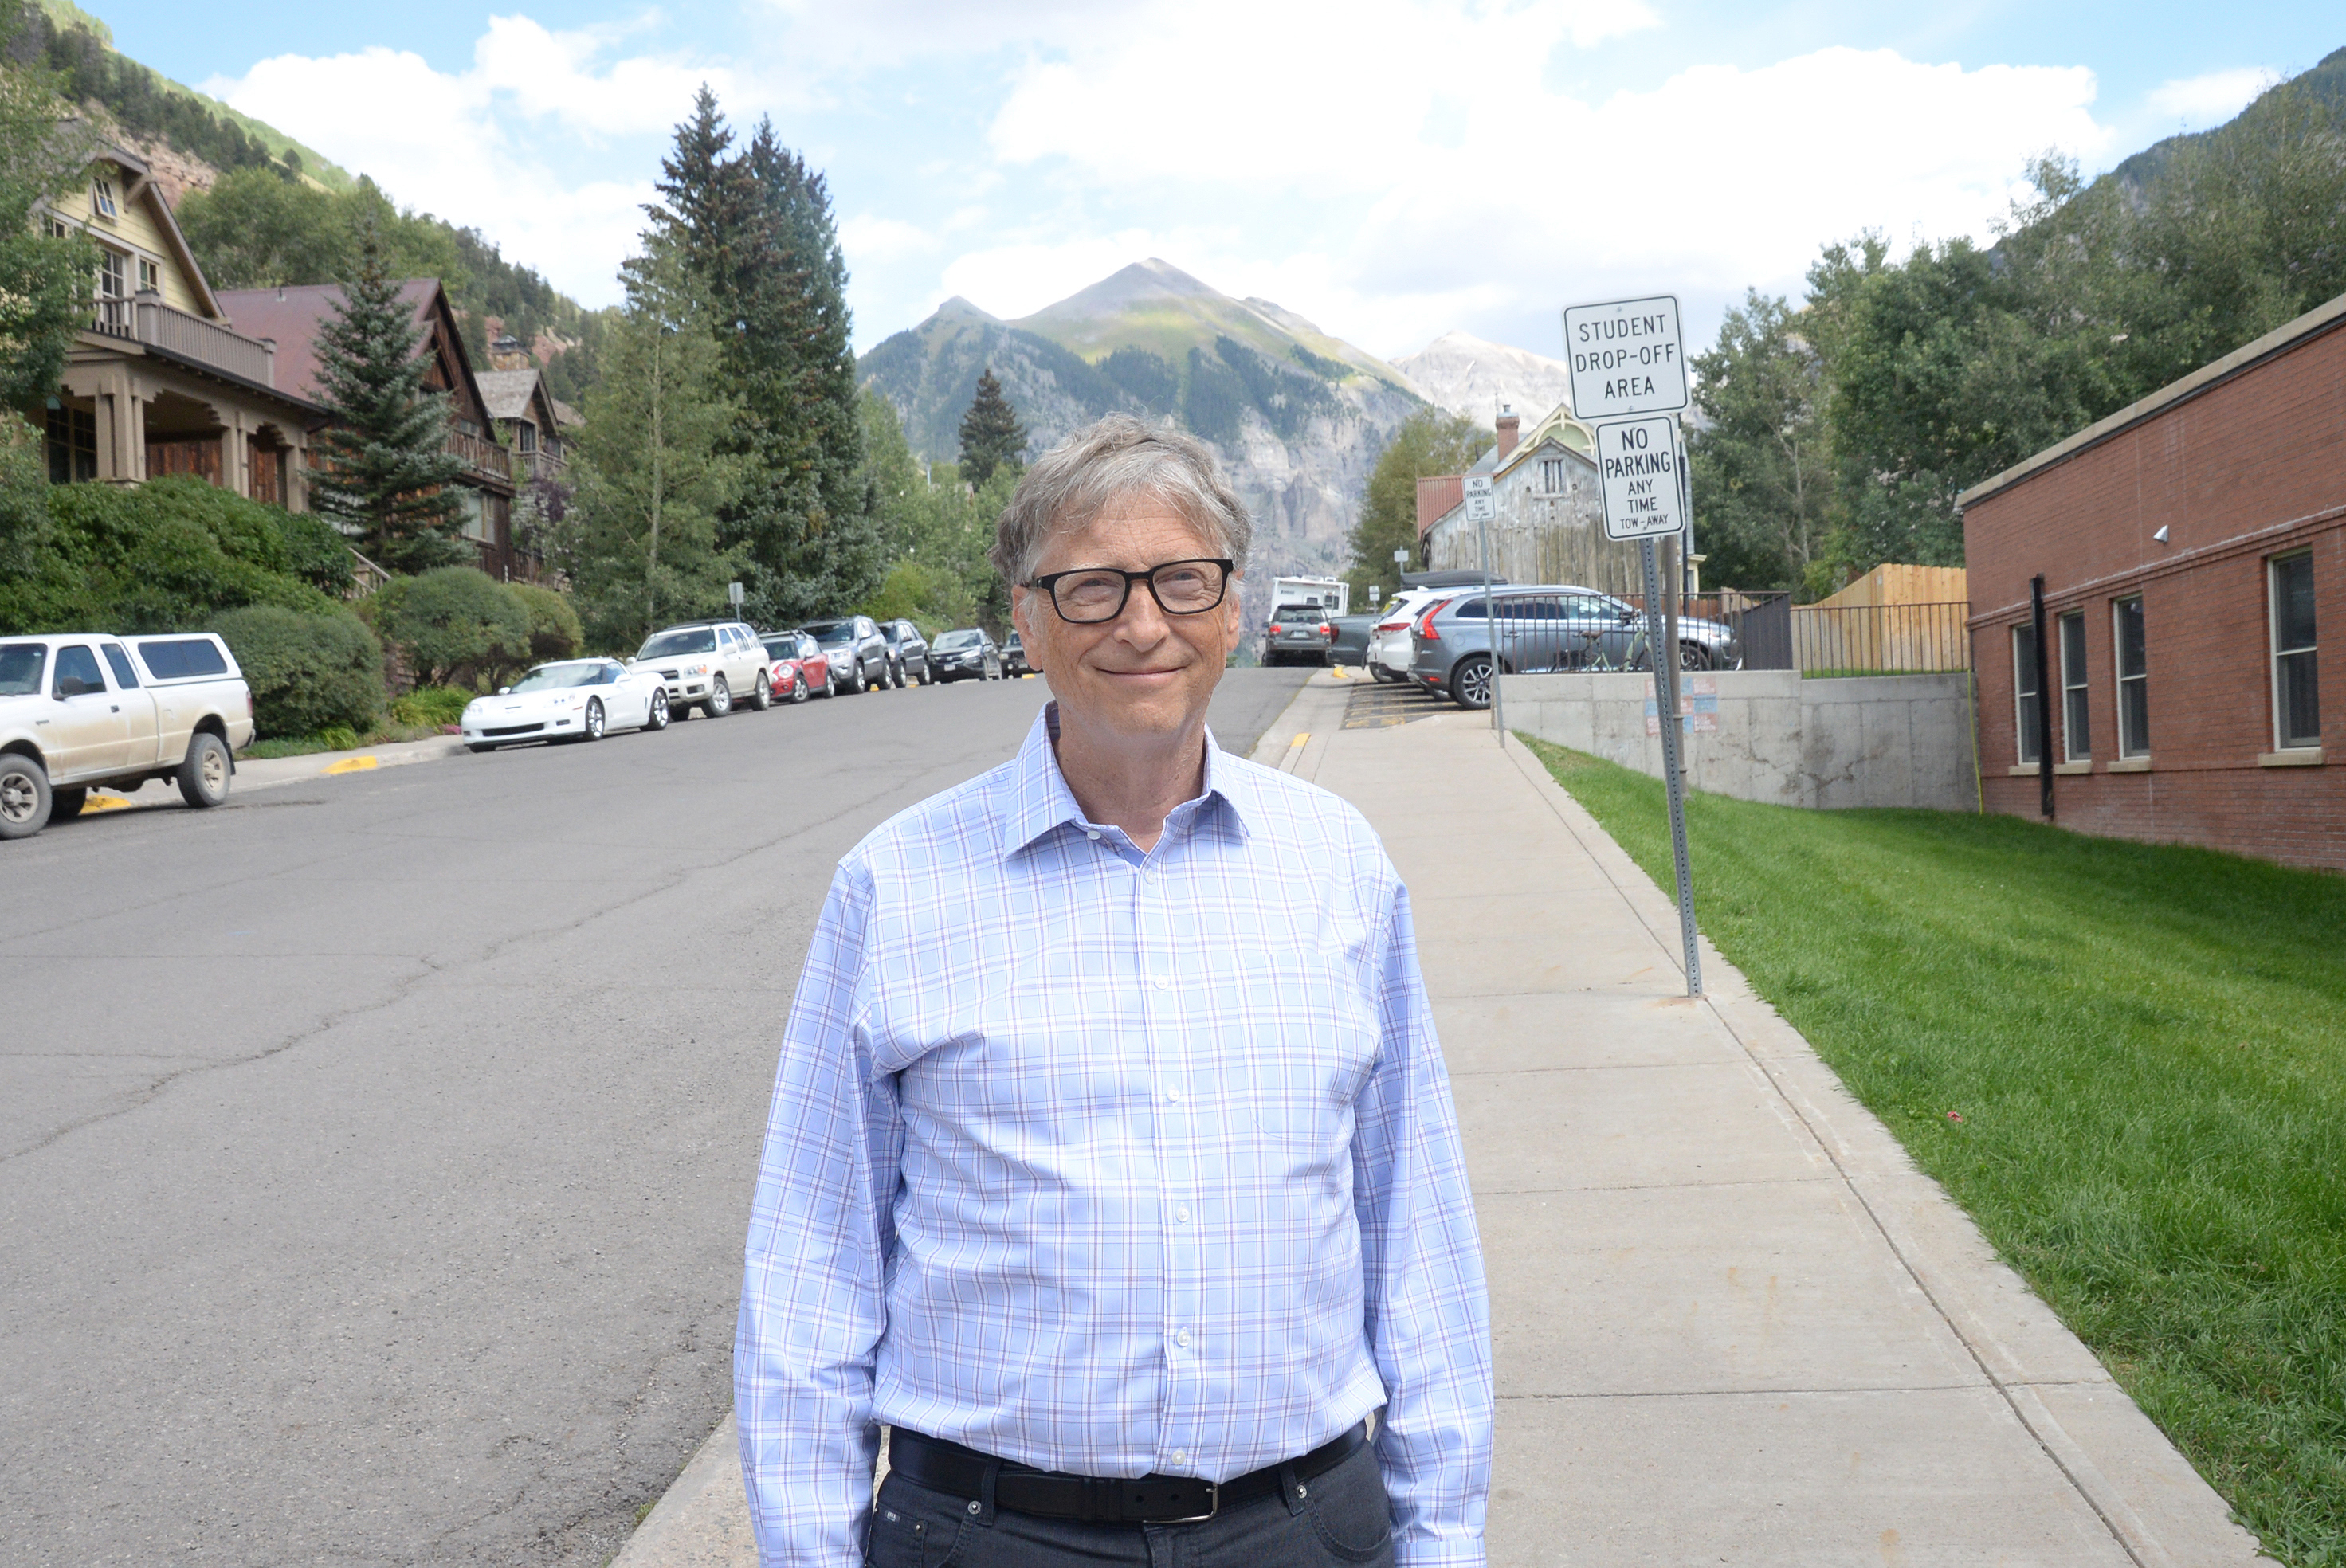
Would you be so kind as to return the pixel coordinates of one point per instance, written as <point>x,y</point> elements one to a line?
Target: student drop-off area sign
<point>1625,358</point>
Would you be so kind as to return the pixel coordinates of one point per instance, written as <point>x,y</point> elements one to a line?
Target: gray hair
<point>1093,469</point>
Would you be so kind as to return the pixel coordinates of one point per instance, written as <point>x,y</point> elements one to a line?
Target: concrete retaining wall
<point>1773,735</point>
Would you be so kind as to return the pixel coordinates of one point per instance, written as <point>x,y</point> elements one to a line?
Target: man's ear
<point>1022,602</point>
<point>1234,613</point>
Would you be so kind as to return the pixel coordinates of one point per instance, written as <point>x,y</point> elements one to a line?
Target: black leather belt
<point>948,1467</point>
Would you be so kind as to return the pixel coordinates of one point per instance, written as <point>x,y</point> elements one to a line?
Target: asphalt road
<point>375,1151</point>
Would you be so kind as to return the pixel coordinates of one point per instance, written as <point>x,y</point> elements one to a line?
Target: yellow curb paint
<point>1299,740</point>
<point>104,803</point>
<point>350,765</point>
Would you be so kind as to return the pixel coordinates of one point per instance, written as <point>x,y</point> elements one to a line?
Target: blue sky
<point>1391,168</point>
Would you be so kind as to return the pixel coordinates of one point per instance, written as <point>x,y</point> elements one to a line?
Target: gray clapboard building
<point>1551,523</point>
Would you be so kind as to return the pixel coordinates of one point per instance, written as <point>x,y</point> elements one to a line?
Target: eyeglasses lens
<point>1182,588</point>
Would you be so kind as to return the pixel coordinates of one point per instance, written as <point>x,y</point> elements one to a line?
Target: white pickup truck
<point>84,709</point>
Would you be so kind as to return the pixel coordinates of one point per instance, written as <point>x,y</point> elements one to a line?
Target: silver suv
<point>1547,628</point>
<point>708,664</point>
<point>81,710</point>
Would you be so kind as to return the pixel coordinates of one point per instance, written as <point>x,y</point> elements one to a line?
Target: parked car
<point>1543,629</point>
<point>1392,650</point>
<point>1351,642</point>
<point>711,665</point>
<point>1013,656</point>
<point>570,700</point>
<point>1297,634</point>
<point>858,653</point>
<point>908,652</point>
<point>86,710</point>
<point>966,653</point>
<point>796,665</point>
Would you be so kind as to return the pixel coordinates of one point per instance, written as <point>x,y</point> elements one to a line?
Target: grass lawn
<point>2147,1046</point>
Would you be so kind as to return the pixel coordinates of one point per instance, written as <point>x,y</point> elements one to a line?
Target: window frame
<point>102,202</point>
<point>2025,722</point>
<point>2077,691</point>
<point>2284,738</point>
<point>2130,744</point>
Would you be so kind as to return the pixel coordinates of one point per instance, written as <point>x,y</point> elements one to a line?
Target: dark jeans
<point>1343,1521</point>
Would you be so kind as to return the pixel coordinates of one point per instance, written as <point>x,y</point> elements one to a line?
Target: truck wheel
<point>763,697</point>
<point>720,700</point>
<point>203,776</point>
<point>24,797</point>
<point>65,804</point>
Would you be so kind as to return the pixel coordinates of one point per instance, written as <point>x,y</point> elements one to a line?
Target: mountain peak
<point>1468,376</point>
<point>960,310</point>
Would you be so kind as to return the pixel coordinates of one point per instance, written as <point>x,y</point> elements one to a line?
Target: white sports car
<point>576,699</point>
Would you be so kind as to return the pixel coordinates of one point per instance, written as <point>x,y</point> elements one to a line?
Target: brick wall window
<point>2077,727</point>
<point>2134,677</point>
<point>2027,691</point>
<point>2296,697</point>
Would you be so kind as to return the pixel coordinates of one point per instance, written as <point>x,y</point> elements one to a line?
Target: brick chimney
<point>1511,430</point>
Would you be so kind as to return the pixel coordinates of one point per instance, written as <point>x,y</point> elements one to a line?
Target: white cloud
<point>2212,98</point>
<point>473,147</point>
<point>1719,178</point>
<point>870,241</point>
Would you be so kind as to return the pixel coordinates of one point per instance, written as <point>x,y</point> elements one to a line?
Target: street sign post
<point>1628,379</point>
<point>733,596</point>
<point>1625,358</point>
<point>1483,510</point>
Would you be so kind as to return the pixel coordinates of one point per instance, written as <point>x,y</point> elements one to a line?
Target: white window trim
<point>2120,679</point>
<point>2061,638</point>
<point>102,199</point>
<point>2281,745</point>
<point>2022,730</point>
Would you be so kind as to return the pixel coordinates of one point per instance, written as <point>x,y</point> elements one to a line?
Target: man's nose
<point>1143,619</point>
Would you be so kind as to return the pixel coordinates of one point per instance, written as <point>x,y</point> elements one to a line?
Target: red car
<point>796,668</point>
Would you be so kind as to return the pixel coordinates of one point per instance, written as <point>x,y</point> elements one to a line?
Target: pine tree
<point>990,435</point>
<point>756,233</point>
<point>385,471</point>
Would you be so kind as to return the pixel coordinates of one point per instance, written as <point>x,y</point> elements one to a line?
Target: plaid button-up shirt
<point>1112,1163</point>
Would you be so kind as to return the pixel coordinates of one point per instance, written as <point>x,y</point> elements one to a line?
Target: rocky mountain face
<point>1466,376</point>
<point>1296,418</point>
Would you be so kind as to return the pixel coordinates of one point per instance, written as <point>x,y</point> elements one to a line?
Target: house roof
<point>142,188</point>
<point>506,393</point>
<point>296,314</point>
<point>2321,319</point>
<point>1560,427</point>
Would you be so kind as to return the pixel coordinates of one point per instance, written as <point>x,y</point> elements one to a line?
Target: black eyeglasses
<point>1091,594</point>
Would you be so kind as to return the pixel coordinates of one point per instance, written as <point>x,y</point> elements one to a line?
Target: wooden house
<point>164,380</point>
<point>294,317</point>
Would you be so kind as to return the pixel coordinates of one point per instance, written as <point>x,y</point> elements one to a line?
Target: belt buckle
<point>1213,1506</point>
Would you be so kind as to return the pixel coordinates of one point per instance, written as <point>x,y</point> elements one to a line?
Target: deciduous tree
<point>1432,441</point>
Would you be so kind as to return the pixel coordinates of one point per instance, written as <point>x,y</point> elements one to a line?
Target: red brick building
<point>2192,556</point>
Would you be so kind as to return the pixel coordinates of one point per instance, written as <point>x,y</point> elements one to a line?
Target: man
<point>1112,1165</point>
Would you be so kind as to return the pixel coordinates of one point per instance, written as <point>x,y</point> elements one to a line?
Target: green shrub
<point>553,628</point>
<point>165,555</point>
<point>429,707</point>
<point>308,673</point>
<point>453,621</point>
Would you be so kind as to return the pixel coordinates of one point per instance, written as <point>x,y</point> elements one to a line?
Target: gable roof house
<point>172,376</point>
<point>164,380</point>
<point>1551,524</point>
<point>295,318</point>
<point>529,419</point>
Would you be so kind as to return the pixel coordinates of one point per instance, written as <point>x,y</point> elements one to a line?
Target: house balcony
<point>530,466</point>
<point>485,457</point>
<point>145,319</point>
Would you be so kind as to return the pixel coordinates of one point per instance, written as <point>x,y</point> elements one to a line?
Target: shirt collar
<point>1036,800</point>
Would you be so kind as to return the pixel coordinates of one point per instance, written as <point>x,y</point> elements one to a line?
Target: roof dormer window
<point>101,199</point>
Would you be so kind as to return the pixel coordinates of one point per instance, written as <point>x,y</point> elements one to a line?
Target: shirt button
<point>1182,1340</point>
<point>1180,1456</point>
<point>1173,1093</point>
<point>1093,834</point>
<point>1163,980</point>
<point>1181,1214</point>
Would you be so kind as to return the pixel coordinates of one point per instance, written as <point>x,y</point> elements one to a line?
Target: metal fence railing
<point>1773,633</point>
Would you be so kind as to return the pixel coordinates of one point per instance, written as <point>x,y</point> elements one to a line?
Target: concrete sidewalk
<point>1733,1324</point>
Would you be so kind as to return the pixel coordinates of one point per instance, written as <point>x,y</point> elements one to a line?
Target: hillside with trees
<point>1835,433</point>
